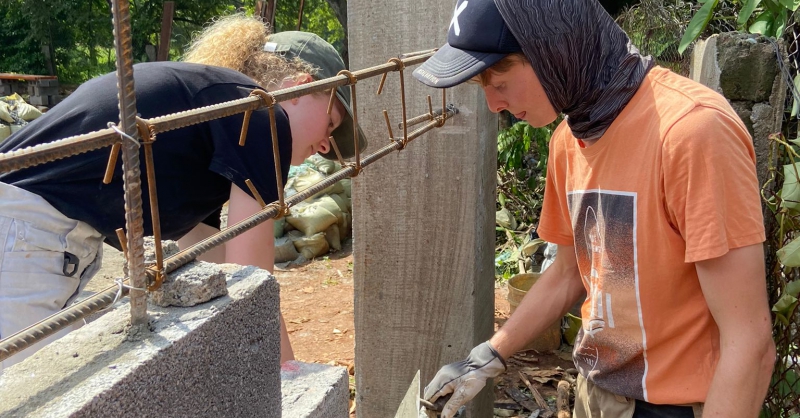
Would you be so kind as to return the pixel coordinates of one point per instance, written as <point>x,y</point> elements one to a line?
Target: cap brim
<point>343,135</point>
<point>451,66</point>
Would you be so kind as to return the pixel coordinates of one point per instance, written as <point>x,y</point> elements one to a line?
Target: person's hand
<point>464,379</point>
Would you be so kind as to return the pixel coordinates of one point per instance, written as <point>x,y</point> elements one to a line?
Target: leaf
<point>790,4</point>
<point>762,24</point>
<point>502,198</point>
<point>779,25</point>
<point>792,288</point>
<point>785,307</point>
<point>697,24</point>
<point>795,104</point>
<point>790,192</point>
<point>747,11</point>
<point>790,254</point>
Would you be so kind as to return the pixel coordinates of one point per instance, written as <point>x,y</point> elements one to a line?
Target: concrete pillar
<point>423,219</point>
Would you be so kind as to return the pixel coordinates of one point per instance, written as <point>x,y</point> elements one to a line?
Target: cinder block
<point>39,100</point>
<point>35,90</point>
<point>312,390</point>
<point>220,358</point>
<point>5,88</point>
<point>48,83</point>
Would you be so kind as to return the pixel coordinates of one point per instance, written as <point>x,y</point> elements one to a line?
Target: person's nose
<point>494,101</point>
<point>324,146</point>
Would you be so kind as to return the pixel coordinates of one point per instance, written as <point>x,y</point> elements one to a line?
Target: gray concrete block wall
<point>745,69</point>
<point>312,390</point>
<point>214,359</point>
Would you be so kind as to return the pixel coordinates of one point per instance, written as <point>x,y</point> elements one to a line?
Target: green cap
<point>322,55</point>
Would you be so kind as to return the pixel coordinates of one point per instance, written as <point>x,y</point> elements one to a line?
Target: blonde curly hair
<point>237,42</point>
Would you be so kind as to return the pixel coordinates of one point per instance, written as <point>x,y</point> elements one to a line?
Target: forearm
<point>549,299</point>
<point>733,286</point>
<point>741,379</point>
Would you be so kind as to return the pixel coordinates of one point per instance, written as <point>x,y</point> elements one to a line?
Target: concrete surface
<point>311,390</point>
<point>189,287</point>
<point>218,358</point>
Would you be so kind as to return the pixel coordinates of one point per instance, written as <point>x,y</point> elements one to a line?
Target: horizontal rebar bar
<point>52,324</point>
<point>56,150</point>
<point>67,147</point>
<point>58,321</point>
<point>176,261</point>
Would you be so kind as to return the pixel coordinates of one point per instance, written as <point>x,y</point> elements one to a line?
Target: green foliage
<point>78,34</point>
<point>317,18</point>
<point>770,19</point>
<point>522,152</point>
<point>697,24</point>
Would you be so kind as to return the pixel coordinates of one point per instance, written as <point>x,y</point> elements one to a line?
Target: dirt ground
<point>317,304</point>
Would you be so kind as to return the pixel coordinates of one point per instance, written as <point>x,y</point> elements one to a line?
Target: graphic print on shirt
<point>610,347</point>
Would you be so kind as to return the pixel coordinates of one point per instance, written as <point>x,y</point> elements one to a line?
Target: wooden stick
<point>536,395</point>
<point>562,401</point>
<point>521,399</point>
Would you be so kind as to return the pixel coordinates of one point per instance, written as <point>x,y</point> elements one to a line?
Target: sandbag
<point>344,226</point>
<point>5,131</point>
<point>278,227</point>
<point>27,112</point>
<point>330,204</point>
<point>5,113</point>
<point>343,202</point>
<point>23,110</point>
<point>332,236</point>
<point>285,250</point>
<point>309,177</point>
<point>313,246</point>
<point>347,185</point>
<point>311,219</point>
<point>324,165</point>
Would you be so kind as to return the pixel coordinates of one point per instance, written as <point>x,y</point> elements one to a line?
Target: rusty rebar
<point>56,150</point>
<point>132,182</point>
<point>271,210</point>
<point>83,143</point>
<point>43,329</point>
<point>67,147</point>
<point>58,321</point>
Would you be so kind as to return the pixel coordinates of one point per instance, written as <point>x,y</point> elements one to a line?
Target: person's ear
<point>304,78</point>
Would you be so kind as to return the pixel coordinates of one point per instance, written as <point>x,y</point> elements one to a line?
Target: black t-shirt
<point>194,166</point>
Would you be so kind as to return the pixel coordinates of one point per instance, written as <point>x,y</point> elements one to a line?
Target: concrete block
<point>748,67</point>
<point>35,90</point>
<point>5,88</point>
<point>48,83</point>
<point>310,390</point>
<point>191,286</point>
<point>216,359</point>
<point>40,100</point>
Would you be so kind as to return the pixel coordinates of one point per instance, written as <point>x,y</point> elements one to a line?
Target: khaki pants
<point>45,261</point>
<point>594,402</point>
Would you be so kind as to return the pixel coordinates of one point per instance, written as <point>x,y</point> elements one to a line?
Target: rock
<point>168,247</point>
<point>192,284</point>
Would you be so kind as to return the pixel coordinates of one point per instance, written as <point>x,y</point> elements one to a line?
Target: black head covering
<point>584,60</point>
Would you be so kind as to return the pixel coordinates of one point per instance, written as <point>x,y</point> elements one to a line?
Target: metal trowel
<point>413,407</point>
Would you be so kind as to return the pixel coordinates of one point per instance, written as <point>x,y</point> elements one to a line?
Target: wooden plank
<point>166,31</point>
<point>423,219</point>
<point>26,77</point>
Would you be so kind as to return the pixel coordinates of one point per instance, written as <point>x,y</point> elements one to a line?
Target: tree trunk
<point>339,8</point>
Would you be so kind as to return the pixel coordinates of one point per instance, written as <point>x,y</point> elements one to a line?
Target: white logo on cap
<point>453,22</point>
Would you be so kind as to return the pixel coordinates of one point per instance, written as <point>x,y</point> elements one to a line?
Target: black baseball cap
<point>324,57</point>
<point>478,38</point>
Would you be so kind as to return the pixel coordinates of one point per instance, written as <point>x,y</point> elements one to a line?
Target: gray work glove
<point>464,379</point>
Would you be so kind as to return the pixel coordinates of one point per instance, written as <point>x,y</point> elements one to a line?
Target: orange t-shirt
<point>670,183</point>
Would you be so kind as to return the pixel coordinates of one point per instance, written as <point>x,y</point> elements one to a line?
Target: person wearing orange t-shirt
<point>653,201</point>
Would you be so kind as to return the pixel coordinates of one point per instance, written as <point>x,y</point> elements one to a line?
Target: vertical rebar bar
<point>134,225</point>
